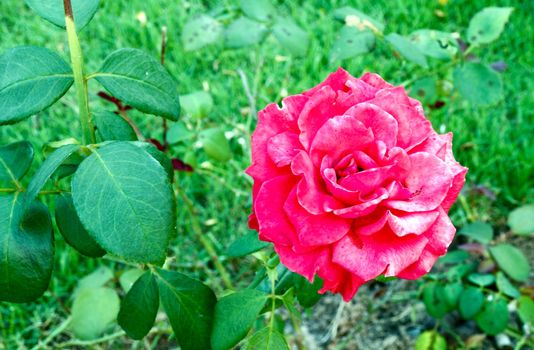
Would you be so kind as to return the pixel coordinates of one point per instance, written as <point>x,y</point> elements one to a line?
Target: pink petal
<point>376,81</point>
<point>411,223</point>
<point>338,137</point>
<point>366,181</point>
<point>365,208</point>
<point>457,170</point>
<point>311,191</point>
<point>305,264</point>
<point>315,113</point>
<point>374,255</point>
<point>335,81</point>
<point>383,125</point>
<point>283,147</point>
<point>315,230</point>
<point>271,121</point>
<point>440,236</point>
<point>269,209</point>
<point>294,104</point>
<point>429,181</point>
<point>412,125</point>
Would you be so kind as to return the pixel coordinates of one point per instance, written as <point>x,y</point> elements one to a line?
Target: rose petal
<point>269,209</point>
<point>311,191</point>
<point>271,121</point>
<point>457,170</point>
<point>381,253</point>
<point>383,125</point>
<point>283,147</point>
<point>411,223</point>
<point>366,181</point>
<point>429,181</point>
<point>335,81</point>
<point>315,230</point>
<point>305,264</point>
<point>440,236</point>
<point>412,125</point>
<point>339,136</point>
<point>315,113</point>
<point>376,81</point>
<point>364,208</point>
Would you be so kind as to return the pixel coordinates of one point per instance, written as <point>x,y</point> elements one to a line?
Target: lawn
<point>494,142</point>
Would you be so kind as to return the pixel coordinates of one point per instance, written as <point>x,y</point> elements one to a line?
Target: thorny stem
<point>225,276</point>
<point>80,82</point>
<point>41,193</point>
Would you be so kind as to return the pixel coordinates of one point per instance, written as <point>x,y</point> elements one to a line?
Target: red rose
<point>351,182</point>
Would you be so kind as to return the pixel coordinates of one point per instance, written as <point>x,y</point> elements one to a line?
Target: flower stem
<point>80,83</point>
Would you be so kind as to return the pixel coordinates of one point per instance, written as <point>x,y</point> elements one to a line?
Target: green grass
<point>495,143</point>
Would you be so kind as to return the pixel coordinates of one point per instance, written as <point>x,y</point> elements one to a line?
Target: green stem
<point>197,229</point>
<point>80,83</point>
<point>53,334</point>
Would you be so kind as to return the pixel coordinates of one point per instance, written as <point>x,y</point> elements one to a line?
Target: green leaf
<point>234,316</point>
<point>261,10</point>
<point>430,340</point>
<point>31,79</point>
<point>215,144</point>
<point>488,24</point>
<point>158,155</point>
<point>452,292</point>
<point>179,132</point>
<point>526,310</point>
<point>26,250</point>
<point>112,127</point>
<point>470,302</point>
<point>511,261</point>
<point>245,245</point>
<point>125,201</point>
<point>200,31</point>
<point>141,81</point>
<point>140,307</point>
<point>493,318</point>
<point>43,174</point>
<point>479,84</point>
<point>350,43</point>
<point>93,311</point>
<point>458,271</point>
<point>15,160</point>
<point>244,32</point>
<point>54,12</point>
<point>520,220</point>
<point>307,293</point>
<point>478,231</point>
<point>97,278</point>
<point>128,278</point>
<point>197,104</point>
<point>506,287</point>
<point>407,49</point>
<point>436,44</point>
<point>72,230</point>
<point>481,279</point>
<point>357,19</point>
<point>266,339</point>
<point>454,256</point>
<point>189,304</point>
<point>434,300</point>
<point>291,36</point>
<point>424,90</point>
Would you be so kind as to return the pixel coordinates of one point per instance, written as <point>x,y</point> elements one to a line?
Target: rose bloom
<point>351,182</point>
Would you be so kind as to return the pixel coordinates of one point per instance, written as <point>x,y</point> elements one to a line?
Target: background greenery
<point>495,143</point>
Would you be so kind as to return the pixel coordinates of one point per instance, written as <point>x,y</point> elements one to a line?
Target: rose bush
<point>351,182</point>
